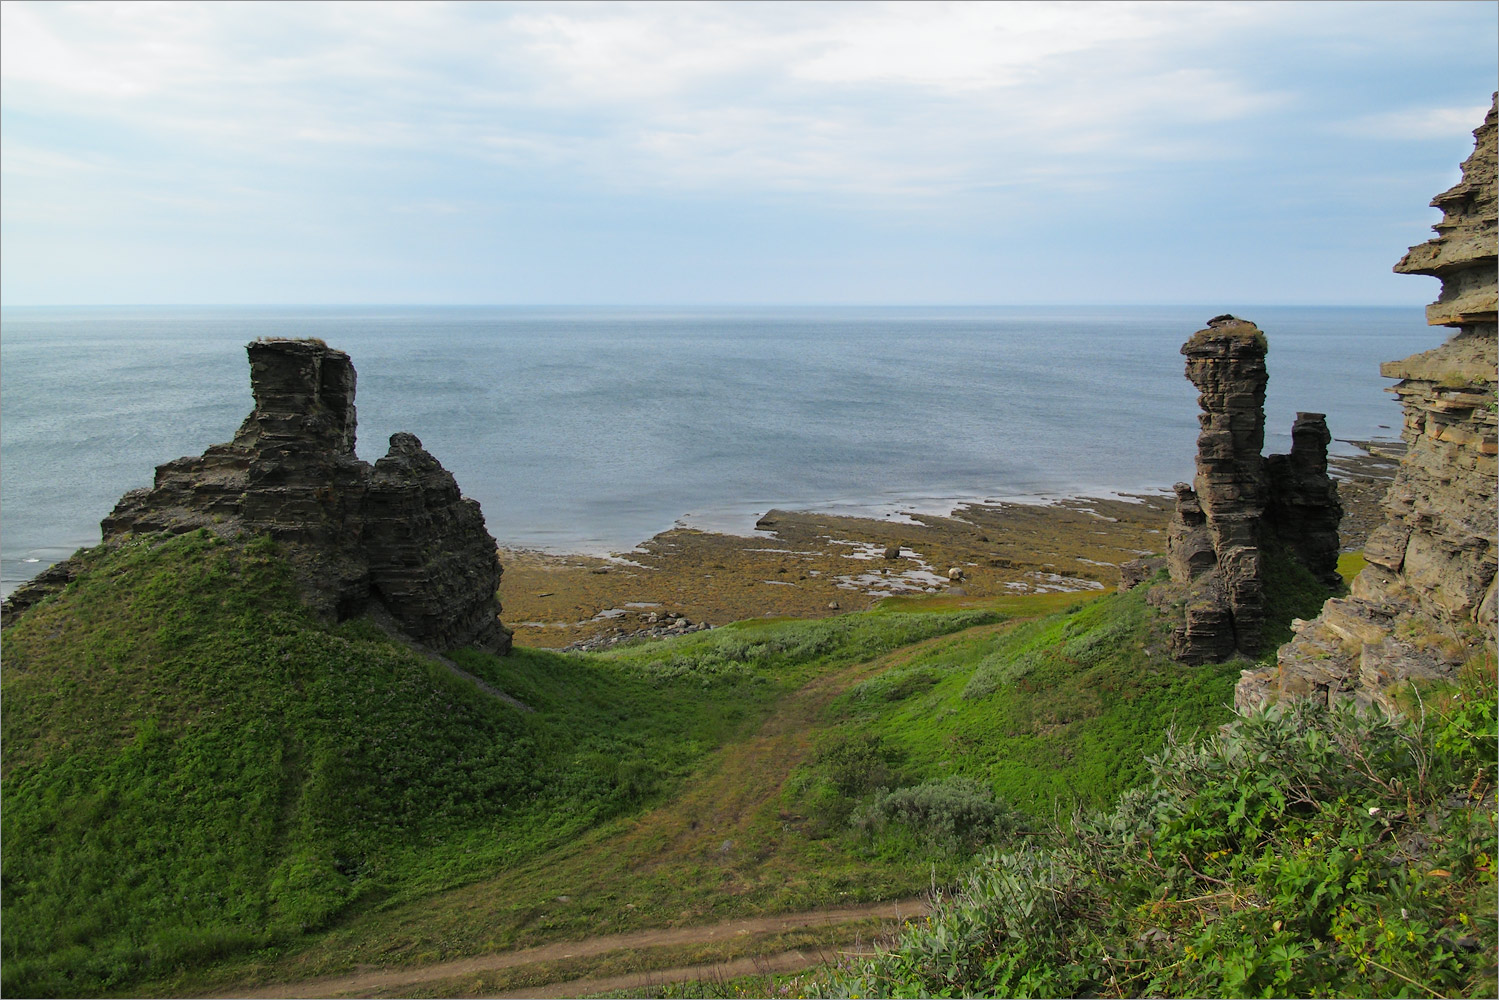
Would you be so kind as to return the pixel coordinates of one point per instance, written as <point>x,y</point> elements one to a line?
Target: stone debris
<point>1241,501</point>
<point>636,628</point>
<point>398,534</point>
<point>1134,572</point>
<point>1426,601</point>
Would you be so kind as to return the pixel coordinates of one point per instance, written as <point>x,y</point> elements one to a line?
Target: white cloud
<point>1418,124</point>
<point>24,160</point>
<point>899,98</point>
<point>106,50</point>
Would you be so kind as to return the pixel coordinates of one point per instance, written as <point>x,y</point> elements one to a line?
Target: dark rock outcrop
<point>1425,604</point>
<point>430,559</point>
<point>1304,512</point>
<point>1222,510</point>
<point>1240,501</point>
<point>398,533</point>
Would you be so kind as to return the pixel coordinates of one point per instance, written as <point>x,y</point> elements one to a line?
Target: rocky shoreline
<point>811,565</point>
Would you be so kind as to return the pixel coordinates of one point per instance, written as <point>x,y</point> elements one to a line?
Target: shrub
<point>1303,851</point>
<point>858,764</point>
<point>999,670</point>
<point>897,684</point>
<point>953,813</point>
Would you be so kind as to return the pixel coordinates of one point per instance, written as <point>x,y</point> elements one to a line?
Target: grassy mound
<point>976,736</point>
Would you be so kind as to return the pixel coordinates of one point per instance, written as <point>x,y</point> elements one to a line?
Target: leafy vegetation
<point>1302,852</point>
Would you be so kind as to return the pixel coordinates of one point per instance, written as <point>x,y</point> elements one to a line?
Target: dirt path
<point>372,980</point>
<point>786,961</point>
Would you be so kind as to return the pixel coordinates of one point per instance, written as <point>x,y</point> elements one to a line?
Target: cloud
<point>111,51</point>
<point>961,129</point>
<point>1417,124</point>
<point>900,98</point>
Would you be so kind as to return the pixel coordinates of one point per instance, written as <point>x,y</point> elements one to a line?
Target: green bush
<point>999,670</point>
<point>1301,852</point>
<point>859,763</point>
<point>897,684</point>
<point>953,813</point>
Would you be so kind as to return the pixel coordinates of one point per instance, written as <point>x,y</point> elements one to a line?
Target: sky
<point>735,154</point>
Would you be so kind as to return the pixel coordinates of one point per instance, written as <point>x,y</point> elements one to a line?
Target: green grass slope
<point>983,735</point>
<point>195,767</point>
<point>988,733</point>
<point>1303,852</point>
<point>203,783</point>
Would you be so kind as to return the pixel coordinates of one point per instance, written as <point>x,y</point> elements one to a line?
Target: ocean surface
<point>591,429</point>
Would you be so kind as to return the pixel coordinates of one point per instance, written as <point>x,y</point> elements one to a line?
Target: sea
<point>592,429</point>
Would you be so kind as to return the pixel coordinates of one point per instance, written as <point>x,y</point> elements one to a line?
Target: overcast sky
<point>730,153</point>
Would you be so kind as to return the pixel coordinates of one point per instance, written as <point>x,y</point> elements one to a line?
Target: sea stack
<point>1425,603</point>
<point>1214,539</point>
<point>398,535</point>
<point>1239,501</point>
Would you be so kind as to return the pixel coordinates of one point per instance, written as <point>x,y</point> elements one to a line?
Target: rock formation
<point>1426,601</point>
<point>1304,511</point>
<point>398,534</point>
<point>1239,501</point>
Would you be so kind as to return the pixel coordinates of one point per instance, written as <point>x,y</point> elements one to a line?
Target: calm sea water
<point>593,429</point>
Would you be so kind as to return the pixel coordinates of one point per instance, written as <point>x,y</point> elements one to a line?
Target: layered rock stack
<point>1426,601</point>
<point>1221,516</point>
<point>1304,511</point>
<point>1239,501</point>
<point>398,534</point>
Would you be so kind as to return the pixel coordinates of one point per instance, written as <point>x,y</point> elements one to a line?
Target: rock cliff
<point>1239,501</point>
<point>398,534</point>
<point>1426,601</point>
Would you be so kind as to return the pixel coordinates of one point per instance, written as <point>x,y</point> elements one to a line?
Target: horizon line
<point>708,305</point>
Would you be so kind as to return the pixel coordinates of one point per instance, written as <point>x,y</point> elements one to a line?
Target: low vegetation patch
<point>1051,714</point>
<point>1301,852</point>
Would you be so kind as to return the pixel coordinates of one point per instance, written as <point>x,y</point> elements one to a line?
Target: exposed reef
<point>1239,501</point>
<point>1426,600</point>
<point>397,534</point>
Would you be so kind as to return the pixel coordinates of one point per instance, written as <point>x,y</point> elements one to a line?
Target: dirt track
<point>383,980</point>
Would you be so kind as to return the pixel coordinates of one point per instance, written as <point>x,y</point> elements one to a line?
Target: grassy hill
<point>205,787</point>
<point>194,767</point>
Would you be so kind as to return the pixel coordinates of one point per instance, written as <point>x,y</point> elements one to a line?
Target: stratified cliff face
<point>1225,607</point>
<point>399,533</point>
<point>1239,501</point>
<point>1427,597</point>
